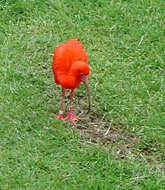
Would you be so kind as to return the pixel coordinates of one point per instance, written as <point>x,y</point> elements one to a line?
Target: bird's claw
<point>72,117</point>
<point>59,116</point>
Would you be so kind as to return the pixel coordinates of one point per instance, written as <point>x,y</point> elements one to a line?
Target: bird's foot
<point>60,115</point>
<point>72,117</point>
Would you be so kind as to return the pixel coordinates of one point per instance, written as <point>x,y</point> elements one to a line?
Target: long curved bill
<point>85,81</point>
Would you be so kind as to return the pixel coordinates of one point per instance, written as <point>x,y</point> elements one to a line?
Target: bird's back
<point>64,56</point>
<point>67,53</point>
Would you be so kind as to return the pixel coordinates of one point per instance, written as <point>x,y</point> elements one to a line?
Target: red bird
<point>70,68</point>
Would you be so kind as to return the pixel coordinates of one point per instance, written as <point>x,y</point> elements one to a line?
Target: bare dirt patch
<point>107,134</point>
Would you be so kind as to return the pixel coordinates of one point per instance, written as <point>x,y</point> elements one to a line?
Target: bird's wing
<point>67,53</point>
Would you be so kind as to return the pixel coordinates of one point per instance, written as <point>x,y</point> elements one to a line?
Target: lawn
<point>121,145</point>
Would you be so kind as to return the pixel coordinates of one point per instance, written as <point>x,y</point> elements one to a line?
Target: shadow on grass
<point>119,139</point>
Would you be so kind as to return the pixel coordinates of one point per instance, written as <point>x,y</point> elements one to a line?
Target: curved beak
<point>84,79</point>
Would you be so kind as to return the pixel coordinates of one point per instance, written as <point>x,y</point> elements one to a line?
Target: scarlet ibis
<point>70,68</point>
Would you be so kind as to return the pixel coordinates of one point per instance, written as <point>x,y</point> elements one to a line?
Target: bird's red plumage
<point>68,57</point>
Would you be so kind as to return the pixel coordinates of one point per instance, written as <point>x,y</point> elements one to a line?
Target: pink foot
<point>72,117</point>
<point>59,116</point>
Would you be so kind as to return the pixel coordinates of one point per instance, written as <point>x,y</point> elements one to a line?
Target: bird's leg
<point>60,115</point>
<point>70,115</point>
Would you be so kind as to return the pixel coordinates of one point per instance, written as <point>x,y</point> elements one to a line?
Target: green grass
<point>121,145</point>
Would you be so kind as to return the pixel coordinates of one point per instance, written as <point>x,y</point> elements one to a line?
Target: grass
<point>121,144</point>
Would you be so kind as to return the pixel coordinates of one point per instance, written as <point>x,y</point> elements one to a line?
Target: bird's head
<point>81,70</point>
